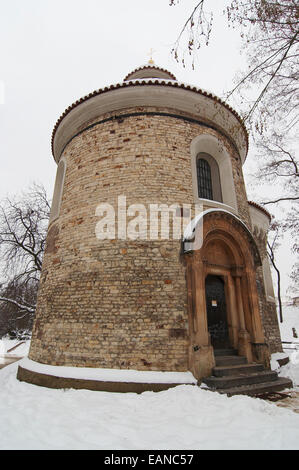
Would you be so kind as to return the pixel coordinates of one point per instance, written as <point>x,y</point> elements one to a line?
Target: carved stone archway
<point>228,251</point>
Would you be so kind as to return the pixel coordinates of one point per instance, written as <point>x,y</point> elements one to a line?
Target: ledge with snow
<point>108,380</point>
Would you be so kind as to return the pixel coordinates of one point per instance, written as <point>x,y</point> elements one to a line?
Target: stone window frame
<point>215,150</point>
<point>58,190</point>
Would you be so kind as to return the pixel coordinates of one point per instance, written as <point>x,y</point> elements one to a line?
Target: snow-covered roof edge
<point>190,229</point>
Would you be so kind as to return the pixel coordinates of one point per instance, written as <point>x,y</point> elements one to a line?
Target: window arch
<point>58,190</point>
<point>208,178</point>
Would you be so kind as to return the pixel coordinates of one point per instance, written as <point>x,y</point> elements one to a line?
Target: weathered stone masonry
<point>123,303</point>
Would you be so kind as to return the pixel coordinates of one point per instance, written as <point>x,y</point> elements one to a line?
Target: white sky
<point>56,51</point>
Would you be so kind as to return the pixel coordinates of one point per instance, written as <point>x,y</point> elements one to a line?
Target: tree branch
<point>21,306</point>
<point>272,259</point>
<point>281,199</point>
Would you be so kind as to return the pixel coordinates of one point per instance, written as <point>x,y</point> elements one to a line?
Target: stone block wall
<point>267,308</point>
<point>120,303</point>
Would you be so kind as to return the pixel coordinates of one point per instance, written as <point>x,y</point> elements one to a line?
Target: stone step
<point>241,369</point>
<point>225,352</point>
<point>231,381</point>
<point>230,360</point>
<point>281,383</point>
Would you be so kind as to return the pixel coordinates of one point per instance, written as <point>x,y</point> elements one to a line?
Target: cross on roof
<point>150,53</point>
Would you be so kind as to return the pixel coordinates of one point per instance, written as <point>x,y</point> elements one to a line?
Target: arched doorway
<point>222,293</point>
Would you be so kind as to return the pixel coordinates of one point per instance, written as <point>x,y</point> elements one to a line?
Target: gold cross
<point>151,62</point>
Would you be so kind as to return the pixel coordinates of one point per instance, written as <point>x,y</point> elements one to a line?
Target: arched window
<point>208,178</point>
<point>204,179</point>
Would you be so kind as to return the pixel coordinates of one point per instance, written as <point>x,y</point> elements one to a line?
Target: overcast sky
<point>54,52</point>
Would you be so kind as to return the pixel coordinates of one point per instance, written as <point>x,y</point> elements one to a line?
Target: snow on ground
<point>291,369</point>
<point>10,348</point>
<point>184,417</point>
<point>290,321</point>
<point>110,375</point>
<point>6,344</point>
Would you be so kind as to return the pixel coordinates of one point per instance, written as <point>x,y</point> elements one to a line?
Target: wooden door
<point>216,312</point>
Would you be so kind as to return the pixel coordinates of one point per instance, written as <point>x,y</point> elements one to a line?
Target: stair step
<point>241,369</point>
<point>231,381</point>
<point>230,360</point>
<point>252,390</point>
<point>225,352</point>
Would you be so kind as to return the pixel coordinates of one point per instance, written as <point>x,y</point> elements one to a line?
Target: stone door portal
<point>216,312</point>
<point>223,301</point>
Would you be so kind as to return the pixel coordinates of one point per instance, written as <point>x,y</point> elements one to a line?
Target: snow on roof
<point>190,229</point>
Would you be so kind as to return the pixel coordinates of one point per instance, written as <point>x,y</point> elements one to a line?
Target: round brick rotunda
<point>154,257</point>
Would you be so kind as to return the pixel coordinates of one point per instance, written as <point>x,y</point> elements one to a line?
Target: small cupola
<point>149,71</point>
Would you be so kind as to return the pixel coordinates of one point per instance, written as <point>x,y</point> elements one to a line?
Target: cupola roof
<point>149,71</point>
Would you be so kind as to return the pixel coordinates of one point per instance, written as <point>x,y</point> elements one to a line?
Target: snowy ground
<point>290,321</point>
<point>8,348</point>
<point>185,417</point>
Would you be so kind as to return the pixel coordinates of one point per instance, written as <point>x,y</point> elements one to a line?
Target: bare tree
<point>290,224</point>
<point>278,168</point>
<point>195,31</point>
<point>294,276</point>
<point>272,246</point>
<point>268,90</point>
<point>17,307</point>
<point>23,226</point>
<point>270,32</point>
